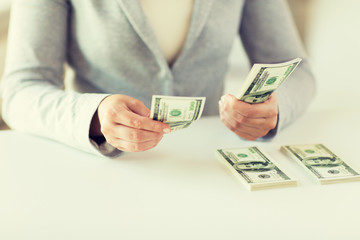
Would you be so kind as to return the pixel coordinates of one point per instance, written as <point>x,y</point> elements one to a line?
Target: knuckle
<point>135,123</point>
<point>151,145</point>
<point>271,125</point>
<point>110,113</point>
<point>154,144</point>
<point>243,136</point>
<point>136,147</point>
<point>105,129</point>
<point>249,112</point>
<point>136,103</point>
<point>242,119</point>
<point>158,137</point>
<point>263,133</point>
<point>112,143</point>
<point>224,108</point>
<point>232,128</point>
<point>250,138</point>
<point>155,126</point>
<point>135,136</point>
<point>132,147</point>
<point>237,124</point>
<point>247,137</point>
<point>273,112</point>
<point>232,105</point>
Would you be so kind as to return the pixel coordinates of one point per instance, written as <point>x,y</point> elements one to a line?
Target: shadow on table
<point>3,125</point>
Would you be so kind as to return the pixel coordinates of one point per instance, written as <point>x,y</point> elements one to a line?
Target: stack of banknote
<point>177,112</point>
<point>257,171</point>
<point>321,163</point>
<point>255,168</point>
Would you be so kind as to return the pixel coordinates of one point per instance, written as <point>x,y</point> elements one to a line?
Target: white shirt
<point>170,20</point>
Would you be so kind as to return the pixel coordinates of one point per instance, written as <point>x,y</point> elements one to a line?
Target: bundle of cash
<point>254,168</point>
<point>264,79</point>
<point>177,112</point>
<point>321,163</point>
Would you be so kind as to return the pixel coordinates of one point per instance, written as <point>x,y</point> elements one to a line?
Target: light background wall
<point>334,48</point>
<point>331,33</point>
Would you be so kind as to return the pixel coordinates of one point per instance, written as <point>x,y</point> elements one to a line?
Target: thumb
<point>138,107</point>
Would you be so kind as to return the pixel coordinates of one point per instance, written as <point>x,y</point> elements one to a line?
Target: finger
<point>137,106</point>
<point>246,135</point>
<point>126,146</point>
<point>122,116</point>
<point>257,126</point>
<point>243,130</point>
<point>135,135</point>
<point>133,120</point>
<point>237,120</point>
<point>239,108</point>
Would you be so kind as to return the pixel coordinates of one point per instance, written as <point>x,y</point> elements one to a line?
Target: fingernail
<point>166,130</point>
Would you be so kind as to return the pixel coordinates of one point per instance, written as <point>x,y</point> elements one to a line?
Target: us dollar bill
<point>264,79</point>
<point>177,112</point>
<point>254,168</point>
<point>321,163</point>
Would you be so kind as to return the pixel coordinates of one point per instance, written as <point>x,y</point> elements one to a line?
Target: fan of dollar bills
<point>177,112</point>
<point>264,79</point>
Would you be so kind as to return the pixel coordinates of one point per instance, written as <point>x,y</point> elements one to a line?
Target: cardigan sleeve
<point>34,100</point>
<point>269,35</point>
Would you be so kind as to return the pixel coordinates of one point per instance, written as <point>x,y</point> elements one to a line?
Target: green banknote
<point>264,79</point>
<point>254,168</point>
<point>321,163</point>
<point>177,112</point>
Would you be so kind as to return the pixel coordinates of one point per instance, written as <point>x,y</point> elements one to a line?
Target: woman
<point>125,51</point>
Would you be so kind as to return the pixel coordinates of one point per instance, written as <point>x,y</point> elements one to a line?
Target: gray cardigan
<point>112,49</point>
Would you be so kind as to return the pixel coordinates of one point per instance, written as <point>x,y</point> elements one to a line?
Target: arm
<point>33,97</point>
<point>269,36</point>
<point>32,87</point>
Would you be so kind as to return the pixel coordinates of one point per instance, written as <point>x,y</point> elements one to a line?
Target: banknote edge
<point>256,186</point>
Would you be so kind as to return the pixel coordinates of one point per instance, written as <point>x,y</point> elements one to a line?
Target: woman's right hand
<point>124,122</point>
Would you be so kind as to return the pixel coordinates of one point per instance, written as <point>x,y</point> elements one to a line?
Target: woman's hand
<point>125,124</point>
<point>249,121</point>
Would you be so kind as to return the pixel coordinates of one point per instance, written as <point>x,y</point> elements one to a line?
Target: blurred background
<point>330,31</point>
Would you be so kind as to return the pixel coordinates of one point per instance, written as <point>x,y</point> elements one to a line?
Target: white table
<point>177,190</point>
